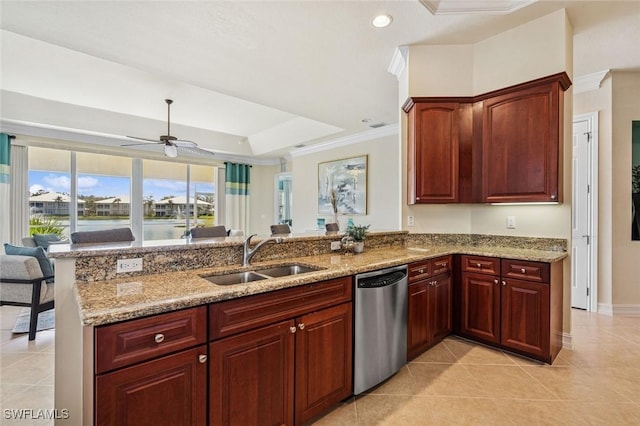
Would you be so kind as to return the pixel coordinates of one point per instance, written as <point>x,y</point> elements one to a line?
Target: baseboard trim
<point>619,309</point>
<point>567,341</point>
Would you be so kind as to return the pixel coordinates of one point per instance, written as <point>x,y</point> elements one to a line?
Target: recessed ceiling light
<point>366,120</point>
<point>381,21</point>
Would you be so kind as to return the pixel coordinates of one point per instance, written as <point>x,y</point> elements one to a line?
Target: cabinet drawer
<point>440,265</point>
<point>419,270</point>
<point>125,343</point>
<point>237,315</point>
<point>525,270</point>
<point>481,264</point>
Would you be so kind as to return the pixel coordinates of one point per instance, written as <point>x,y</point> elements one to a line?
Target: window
<point>104,189</point>
<point>167,213</point>
<point>49,190</point>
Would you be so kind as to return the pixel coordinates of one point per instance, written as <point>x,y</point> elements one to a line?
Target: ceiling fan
<point>172,145</point>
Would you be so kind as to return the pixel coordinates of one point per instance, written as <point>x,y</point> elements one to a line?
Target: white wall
<point>625,253</point>
<point>383,198</point>
<point>261,188</point>
<point>490,65</point>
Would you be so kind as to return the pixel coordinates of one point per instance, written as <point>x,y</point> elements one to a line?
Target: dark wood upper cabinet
<point>502,146</point>
<point>433,152</point>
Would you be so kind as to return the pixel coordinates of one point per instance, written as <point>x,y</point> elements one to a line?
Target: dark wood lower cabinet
<point>282,374</point>
<point>171,390</point>
<point>525,317</point>
<point>251,377</point>
<point>480,307</point>
<point>519,309</point>
<point>429,313</point>
<point>323,360</point>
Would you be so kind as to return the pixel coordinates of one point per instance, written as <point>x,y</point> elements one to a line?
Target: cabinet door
<point>525,317</point>
<point>171,390</point>
<point>418,336</point>
<point>440,307</point>
<point>481,307</point>
<point>433,153</point>
<point>251,377</point>
<point>323,360</point>
<point>521,136</point>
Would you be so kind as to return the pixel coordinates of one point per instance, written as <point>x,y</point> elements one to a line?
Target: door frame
<point>592,121</point>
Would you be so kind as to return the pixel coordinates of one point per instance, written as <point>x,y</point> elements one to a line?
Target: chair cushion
<point>209,232</point>
<point>43,240</point>
<point>29,242</point>
<point>37,252</point>
<point>106,236</point>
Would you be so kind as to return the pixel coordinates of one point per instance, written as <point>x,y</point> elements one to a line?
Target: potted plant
<point>358,233</point>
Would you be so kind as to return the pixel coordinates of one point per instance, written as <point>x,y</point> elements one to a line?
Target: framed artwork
<point>345,183</point>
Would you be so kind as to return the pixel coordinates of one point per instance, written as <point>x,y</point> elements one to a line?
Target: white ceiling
<point>248,78</point>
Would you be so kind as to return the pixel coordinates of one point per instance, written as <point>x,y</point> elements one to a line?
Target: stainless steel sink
<point>259,274</point>
<point>283,271</point>
<point>235,278</point>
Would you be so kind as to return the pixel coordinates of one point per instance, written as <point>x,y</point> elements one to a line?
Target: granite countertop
<point>120,299</point>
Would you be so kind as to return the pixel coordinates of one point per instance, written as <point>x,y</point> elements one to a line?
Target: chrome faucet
<point>247,253</point>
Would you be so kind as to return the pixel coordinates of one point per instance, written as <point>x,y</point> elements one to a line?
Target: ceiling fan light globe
<point>171,151</point>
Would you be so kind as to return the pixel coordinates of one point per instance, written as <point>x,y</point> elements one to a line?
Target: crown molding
<point>398,61</point>
<point>589,82</point>
<point>73,139</point>
<point>367,135</point>
<point>477,7</point>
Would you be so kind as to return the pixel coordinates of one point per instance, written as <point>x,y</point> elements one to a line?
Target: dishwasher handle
<point>382,280</point>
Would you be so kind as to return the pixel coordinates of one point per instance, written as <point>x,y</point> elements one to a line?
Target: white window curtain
<point>5,182</point>
<point>237,201</point>
<point>19,192</point>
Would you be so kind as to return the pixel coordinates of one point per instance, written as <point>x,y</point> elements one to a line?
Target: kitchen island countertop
<point>119,299</point>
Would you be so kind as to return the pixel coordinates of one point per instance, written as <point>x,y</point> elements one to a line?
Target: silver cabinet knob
<point>292,329</point>
<point>553,197</point>
<point>479,265</point>
<point>301,326</point>
<point>202,358</point>
<point>495,281</point>
<point>504,283</point>
<point>524,271</point>
<point>159,338</point>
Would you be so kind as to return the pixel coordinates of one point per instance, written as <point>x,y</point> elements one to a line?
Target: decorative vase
<point>358,247</point>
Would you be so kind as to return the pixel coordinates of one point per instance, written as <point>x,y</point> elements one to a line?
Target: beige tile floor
<point>456,382</point>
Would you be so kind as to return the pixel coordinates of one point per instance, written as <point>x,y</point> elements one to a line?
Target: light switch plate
<point>511,222</point>
<point>411,221</point>
<point>128,265</point>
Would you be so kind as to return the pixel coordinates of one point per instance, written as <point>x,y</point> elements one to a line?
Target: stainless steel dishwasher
<point>380,330</point>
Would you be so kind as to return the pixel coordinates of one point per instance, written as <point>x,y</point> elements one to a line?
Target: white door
<point>581,216</point>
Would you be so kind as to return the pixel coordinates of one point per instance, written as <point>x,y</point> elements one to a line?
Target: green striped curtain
<point>5,156</point>
<point>5,188</point>
<point>236,188</point>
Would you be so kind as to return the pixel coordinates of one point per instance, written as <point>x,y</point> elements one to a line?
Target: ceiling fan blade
<point>195,151</point>
<point>145,139</point>
<point>139,144</point>
<point>184,143</point>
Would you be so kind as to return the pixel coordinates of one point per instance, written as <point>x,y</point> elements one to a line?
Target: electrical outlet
<point>511,222</point>
<point>128,265</point>
<point>411,221</point>
<point>335,245</point>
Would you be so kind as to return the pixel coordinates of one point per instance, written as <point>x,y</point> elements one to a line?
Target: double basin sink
<point>260,274</point>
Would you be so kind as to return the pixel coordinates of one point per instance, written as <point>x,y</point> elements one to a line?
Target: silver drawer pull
<point>202,358</point>
<point>292,329</point>
<point>159,338</point>
<point>301,326</point>
<point>524,271</point>
<point>421,270</point>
